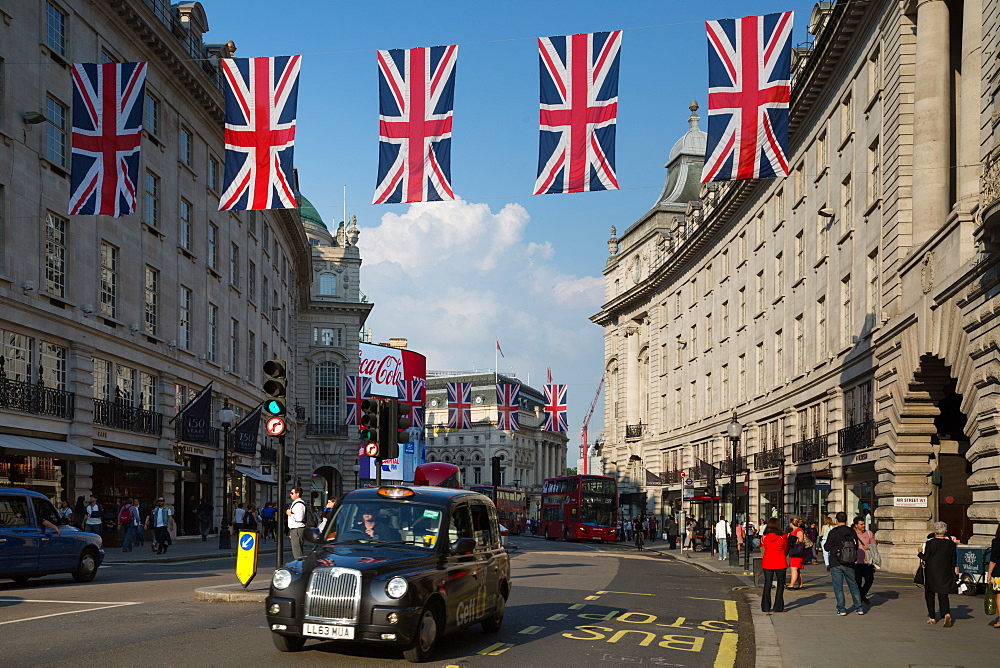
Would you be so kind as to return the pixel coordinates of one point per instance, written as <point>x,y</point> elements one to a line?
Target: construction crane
<point>586,423</point>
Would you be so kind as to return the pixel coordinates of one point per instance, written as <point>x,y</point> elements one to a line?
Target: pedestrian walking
<point>823,533</point>
<point>94,516</point>
<point>688,535</point>
<point>842,544</point>
<point>722,539</point>
<point>797,552</point>
<point>296,521</point>
<point>238,519</point>
<point>652,527</point>
<point>204,513</point>
<point>269,517</point>
<point>812,536</point>
<point>992,571</point>
<point>80,513</point>
<point>139,519</point>
<point>251,521</point>
<point>672,532</point>
<point>161,521</point>
<point>940,572</point>
<point>127,516</point>
<point>864,570</point>
<point>65,513</point>
<point>774,546</point>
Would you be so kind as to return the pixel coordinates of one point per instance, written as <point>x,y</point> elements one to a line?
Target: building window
<point>874,73</point>
<point>821,327</point>
<point>52,362</point>
<point>742,362</point>
<point>234,345</point>
<point>55,131</point>
<point>779,203</point>
<point>760,292</point>
<point>800,255</point>
<point>151,214</point>
<point>724,378</point>
<point>234,265</point>
<point>724,266</point>
<point>779,274</point>
<point>327,336</point>
<point>741,249</point>
<point>823,238</point>
<point>708,331</point>
<point>693,401</point>
<point>800,183</point>
<point>150,299</point>
<point>251,280</point>
<point>326,395</point>
<point>213,175</point>
<point>708,394</point>
<point>265,240</point>
<point>847,204</point>
<point>151,114</point>
<point>185,224</point>
<point>55,28</point>
<point>846,118</point>
<point>874,172</point>
<point>185,319</point>
<point>743,306</point>
<point>477,475</point>
<point>109,280</point>
<point>252,356</point>
<point>264,295</point>
<point>213,247</point>
<point>800,345</point>
<point>725,319</point>
<point>873,286</point>
<point>846,311</point>
<point>147,391</point>
<point>55,255</point>
<point>213,333</point>
<point>327,285</point>
<point>779,357</point>
<point>185,147</point>
<point>759,229</point>
<point>821,153</point>
<point>760,368</point>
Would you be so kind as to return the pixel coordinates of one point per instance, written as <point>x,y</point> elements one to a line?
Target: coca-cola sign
<point>383,365</point>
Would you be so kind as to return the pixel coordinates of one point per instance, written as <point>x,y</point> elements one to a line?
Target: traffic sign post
<point>275,426</point>
<point>246,558</point>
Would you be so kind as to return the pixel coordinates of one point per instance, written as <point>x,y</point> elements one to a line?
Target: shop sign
<point>770,474</point>
<point>909,501</point>
<point>192,450</point>
<point>823,483</point>
<point>860,457</point>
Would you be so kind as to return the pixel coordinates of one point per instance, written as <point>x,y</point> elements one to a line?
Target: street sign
<point>275,426</point>
<point>689,482</point>
<point>371,449</point>
<point>688,492</point>
<point>246,558</point>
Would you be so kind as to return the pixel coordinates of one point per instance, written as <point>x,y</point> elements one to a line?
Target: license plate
<point>598,539</point>
<point>328,631</point>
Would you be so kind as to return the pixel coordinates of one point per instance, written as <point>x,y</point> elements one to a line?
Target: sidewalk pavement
<point>893,632</point>
<point>185,548</point>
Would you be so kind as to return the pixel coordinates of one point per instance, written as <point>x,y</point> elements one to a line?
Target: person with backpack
<point>250,520</point>
<point>297,517</point>
<point>842,544</point>
<point>93,516</point>
<point>238,515</point>
<point>128,518</point>
<point>269,518</point>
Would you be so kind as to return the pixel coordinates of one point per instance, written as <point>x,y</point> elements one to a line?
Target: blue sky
<point>501,263</point>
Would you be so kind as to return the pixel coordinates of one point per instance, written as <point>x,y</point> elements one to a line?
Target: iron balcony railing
<point>727,465</point>
<point>327,428</point>
<point>37,399</point>
<point>670,477</point>
<point>633,430</point>
<point>695,473</point>
<point>769,459</point>
<point>856,437</point>
<point>811,449</point>
<point>119,415</point>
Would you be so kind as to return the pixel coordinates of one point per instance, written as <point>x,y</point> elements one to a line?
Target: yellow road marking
<point>556,618</point>
<point>726,657</point>
<point>491,648</point>
<point>496,650</point>
<point>731,613</point>
<point>577,606</point>
<point>590,598</point>
<point>531,630</point>
<point>630,593</point>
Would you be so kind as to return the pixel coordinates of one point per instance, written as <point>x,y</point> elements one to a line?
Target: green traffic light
<point>274,407</point>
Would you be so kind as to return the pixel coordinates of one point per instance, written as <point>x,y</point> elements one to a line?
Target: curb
<point>230,593</point>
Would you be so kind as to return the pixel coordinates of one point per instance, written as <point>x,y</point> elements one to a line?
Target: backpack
<point>848,551</point>
<point>250,522</point>
<point>308,515</point>
<point>125,515</point>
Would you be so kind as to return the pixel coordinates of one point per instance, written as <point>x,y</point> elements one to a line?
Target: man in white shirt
<point>722,536</point>
<point>95,516</point>
<point>296,521</point>
<point>161,518</point>
<point>238,515</point>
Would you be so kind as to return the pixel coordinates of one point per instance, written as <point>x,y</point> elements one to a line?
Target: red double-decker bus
<point>512,506</point>
<point>580,507</point>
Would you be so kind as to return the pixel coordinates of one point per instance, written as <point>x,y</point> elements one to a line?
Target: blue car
<point>29,548</point>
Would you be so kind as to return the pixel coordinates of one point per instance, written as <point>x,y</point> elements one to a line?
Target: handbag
<point>990,601</point>
<point>918,577</point>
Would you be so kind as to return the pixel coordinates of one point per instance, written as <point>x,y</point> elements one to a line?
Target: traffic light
<point>274,387</point>
<point>711,481</point>
<point>369,426</point>
<point>395,422</point>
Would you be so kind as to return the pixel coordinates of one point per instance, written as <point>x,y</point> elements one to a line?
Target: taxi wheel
<point>287,643</point>
<point>86,568</point>
<point>493,624</point>
<point>427,634</point>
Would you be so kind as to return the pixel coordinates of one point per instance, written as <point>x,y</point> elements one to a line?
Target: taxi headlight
<point>281,579</point>
<point>396,587</point>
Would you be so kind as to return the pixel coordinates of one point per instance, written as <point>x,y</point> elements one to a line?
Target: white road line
<point>12,599</point>
<point>71,612</point>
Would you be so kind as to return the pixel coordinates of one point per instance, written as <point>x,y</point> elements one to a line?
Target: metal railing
<point>670,477</point>
<point>769,459</point>
<point>856,437</point>
<point>811,449</point>
<point>695,473</point>
<point>633,430</point>
<point>326,428</point>
<point>37,399</point>
<point>727,465</point>
<point>120,415</point>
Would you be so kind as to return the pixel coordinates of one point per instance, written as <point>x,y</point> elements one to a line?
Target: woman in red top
<point>774,545</point>
<point>797,552</point>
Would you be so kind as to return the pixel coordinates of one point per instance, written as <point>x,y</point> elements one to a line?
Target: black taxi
<point>395,565</point>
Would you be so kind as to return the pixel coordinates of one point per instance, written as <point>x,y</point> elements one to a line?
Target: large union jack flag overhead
<point>261,100</point>
<point>749,89</point>
<point>578,113</point>
<point>359,388</point>
<point>459,405</point>
<point>416,101</point>
<point>508,405</point>
<point>107,131</point>
<point>411,393</point>
<point>555,408</point>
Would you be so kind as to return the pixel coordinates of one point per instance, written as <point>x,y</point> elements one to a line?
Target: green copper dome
<point>311,219</point>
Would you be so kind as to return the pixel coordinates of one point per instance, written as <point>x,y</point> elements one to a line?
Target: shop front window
<point>811,504</point>
<point>769,504</point>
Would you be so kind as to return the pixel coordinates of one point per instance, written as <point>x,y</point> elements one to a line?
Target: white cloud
<point>452,277</point>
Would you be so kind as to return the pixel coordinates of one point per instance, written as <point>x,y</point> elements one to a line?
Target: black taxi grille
<point>334,595</point>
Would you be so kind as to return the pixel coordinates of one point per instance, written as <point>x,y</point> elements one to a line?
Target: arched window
<point>328,285</point>
<point>326,398</point>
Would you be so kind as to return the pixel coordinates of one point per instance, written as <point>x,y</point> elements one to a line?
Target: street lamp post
<point>226,418</point>
<point>357,469</point>
<point>734,431</point>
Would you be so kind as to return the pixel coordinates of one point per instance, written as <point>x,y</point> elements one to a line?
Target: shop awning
<point>255,475</point>
<point>136,458</point>
<point>11,444</point>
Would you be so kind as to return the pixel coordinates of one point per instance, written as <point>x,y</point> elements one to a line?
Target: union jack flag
<point>555,408</point>
<point>749,87</point>
<point>411,393</point>
<point>359,388</point>
<point>578,112</point>
<point>416,102</point>
<point>261,100</point>
<point>459,405</point>
<point>107,131</point>
<point>508,405</point>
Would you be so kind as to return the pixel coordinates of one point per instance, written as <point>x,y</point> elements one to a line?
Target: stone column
<point>632,375</point>
<point>931,120</point>
<point>969,118</point>
<point>80,381</point>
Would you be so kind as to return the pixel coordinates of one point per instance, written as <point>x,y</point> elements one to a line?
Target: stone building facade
<point>844,312</point>
<point>528,456</point>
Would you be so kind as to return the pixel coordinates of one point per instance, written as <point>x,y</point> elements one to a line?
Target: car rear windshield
<point>385,522</point>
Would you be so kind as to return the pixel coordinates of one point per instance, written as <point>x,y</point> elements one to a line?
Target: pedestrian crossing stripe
<point>496,649</point>
<point>531,630</point>
<point>577,606</point>
<point>556,618</point>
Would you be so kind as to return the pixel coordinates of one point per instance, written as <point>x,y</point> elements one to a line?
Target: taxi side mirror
<point>463,546</point>
<point>312,535</point>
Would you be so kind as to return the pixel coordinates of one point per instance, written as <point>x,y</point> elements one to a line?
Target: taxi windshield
<point>384,522</point>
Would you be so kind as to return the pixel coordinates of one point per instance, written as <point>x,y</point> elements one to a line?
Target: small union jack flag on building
<point>416,103</point>
<point>107,132</point>
<point>459,405</point>
<point>359,388</point>
<point>261,106</point>
<point>508,406</point>
<point>749,88</point>
<point>411,393</point>
<point>578,112</point>
<point>555,408</point>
